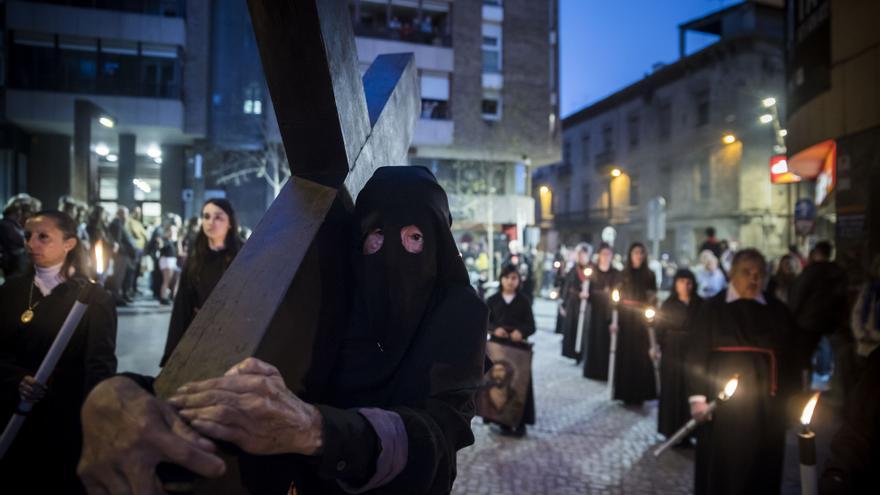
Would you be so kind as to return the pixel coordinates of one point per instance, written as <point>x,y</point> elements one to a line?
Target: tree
<point>267,161</point>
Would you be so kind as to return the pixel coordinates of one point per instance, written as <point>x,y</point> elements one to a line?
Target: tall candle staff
<point>48,365</point>
<point>690,426</point>
<point>807,448</point>
<point>654,350</point>
<point>585,293</point>
<point>612,349</point>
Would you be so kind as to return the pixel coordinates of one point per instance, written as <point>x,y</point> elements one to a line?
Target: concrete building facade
<point>663,137</point>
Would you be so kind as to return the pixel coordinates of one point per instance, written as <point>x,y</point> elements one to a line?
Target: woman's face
<point>510,282</point>
<point>637,257</point>
<point>410,236</point>
<point>683,288</point>
<point>45,242</point>
<point>605,256</point>
<point>583,258</point>
<point>215,223</point>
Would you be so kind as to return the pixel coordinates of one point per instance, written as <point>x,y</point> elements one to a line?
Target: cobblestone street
<point>581,442</point>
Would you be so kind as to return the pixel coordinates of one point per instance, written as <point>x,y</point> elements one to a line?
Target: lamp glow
<point>650,313</point>
<point>154,152</point>
<point>616,172</point>
<point>768,102</point>
<point>556,264</point>
<point>112,158</point>
<point>102,149</point>
<point>544,189</point>
<point>730,388</point>
<point>783,132</point>
<point>615,296</point>
<point>728,138</point>
<point>588,271</point>
<point>807,414</point>
<point>106,122</point>
<point>766,118</point>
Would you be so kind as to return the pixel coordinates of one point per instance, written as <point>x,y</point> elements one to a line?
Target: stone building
<point>689,133</point>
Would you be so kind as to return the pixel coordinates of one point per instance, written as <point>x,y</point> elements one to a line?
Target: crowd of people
<point>779,331</point>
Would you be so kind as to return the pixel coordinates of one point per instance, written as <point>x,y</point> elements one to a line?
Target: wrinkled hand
<point>516,336</point>
<point>501,333</point>
<point>251,407</point>
<point>700,410</point>
<point>127,432</point>
<point>654,354</point>
<point>31,390</point>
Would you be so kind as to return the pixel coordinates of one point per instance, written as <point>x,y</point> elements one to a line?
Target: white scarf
<point>46,279</point>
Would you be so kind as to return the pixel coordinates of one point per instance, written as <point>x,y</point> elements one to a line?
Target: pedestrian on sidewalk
<point>214,248</point>
<point>598,338</point>
<point>710,278</point>
<point>674,325</point>
<point>511,317</point>
<point>634,371</point>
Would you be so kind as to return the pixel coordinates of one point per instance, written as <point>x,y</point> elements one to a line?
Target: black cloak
<point>43,457</point>
<point>634,372</point>
<point>597,339</point>
<point>574,280</point>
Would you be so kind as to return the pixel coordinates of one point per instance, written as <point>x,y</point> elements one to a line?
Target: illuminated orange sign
<point>779,172</point>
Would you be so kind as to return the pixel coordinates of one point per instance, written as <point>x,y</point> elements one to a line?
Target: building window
<point>492,2</point>
<point>704,172</point>
<point>608,138</point>
<point>633,190</point>
<point>585,150</point>
<point>491,45</point>
<point>253,105</point>
<point>633,130</point>
<point>702,102</point>
<point>435,96</point>
<point>491,106</point>
<point>664,121</point>
<point>566,152</point>
<point>666,182</point>
<point>585,196</point>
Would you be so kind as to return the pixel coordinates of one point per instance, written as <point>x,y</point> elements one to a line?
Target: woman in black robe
<point>33,307</point>
<point>674,321</point>
<point>573,295</point>
<point>603,280</point>
<point>511,317</point>
<point>742,332</point>
<point>215,246</point>
<point>634,380</point>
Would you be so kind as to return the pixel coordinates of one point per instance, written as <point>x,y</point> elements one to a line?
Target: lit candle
<point>99,260</point>
<point>724,396</point>
<point>807,447</point>
<point>612,349</point>
<point>650,313</point>
<point>585,291</point>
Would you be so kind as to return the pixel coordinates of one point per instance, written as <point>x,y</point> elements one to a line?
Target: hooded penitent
<point>397,325</point>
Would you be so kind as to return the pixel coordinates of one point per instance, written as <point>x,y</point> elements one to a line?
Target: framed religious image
<point>502,397</point>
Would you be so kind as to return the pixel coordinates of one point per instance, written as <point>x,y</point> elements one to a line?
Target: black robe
<point>674,324</point>
<point>192,292</point>
<point>572,302</point>
<point>633,369</point>
<point>45,453</point>
<point>598,338</point>
<point>741,450</point>
<point>515,315</point>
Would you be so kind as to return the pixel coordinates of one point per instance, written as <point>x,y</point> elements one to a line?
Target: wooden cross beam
<point>337,129</point>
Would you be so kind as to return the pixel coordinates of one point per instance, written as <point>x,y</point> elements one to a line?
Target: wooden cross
<point>337,129</point>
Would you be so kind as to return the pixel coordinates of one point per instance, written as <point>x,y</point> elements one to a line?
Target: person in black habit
<point>574,280</point>
<point>511,317</point>
<point>634,372</point>
<point>388,400</point>
<point>216,245</point>
<point>739,331</point>
<point>33,307</point>
<point>603,280</point>
<point>674,323</point>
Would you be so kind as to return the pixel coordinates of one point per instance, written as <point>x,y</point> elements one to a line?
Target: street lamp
<point>106,121</point>
<point>768,102</point>
<point>616,172</point>
<point>766,118</point>
<point>728,138</point>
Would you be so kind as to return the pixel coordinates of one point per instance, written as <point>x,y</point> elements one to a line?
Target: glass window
<point>585,149</point>
<point>160,74</point>
<point>491,107</point>
<point>702,101</point>
<point>491,48</point>
<point>633,130</point>
<point>664,121</point>
<point>633,190</point>
<point>33,62</point>
<point>79,63</point>
<point>119,67</point>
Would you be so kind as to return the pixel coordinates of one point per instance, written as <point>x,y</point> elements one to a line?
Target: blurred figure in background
<point>710,279</point>
<point>782,281</point>
<point>123,258</point>
<point>597,340</point>
<point>865,318</point>
<point>138,232</point>
<point>572,297</point>
<point>13,256</point>
<point>168,251</point>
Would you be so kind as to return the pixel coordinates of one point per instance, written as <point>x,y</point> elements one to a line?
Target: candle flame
<point>730,387</point>
<point>615,295</point>
<point>807,415</point>
<point>650,313</point>
<point>588,272</point>
<point>99,257</point>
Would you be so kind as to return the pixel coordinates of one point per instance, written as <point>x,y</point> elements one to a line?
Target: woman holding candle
<point>574,294</point>
<point>215,247</point>
<point>673,331</point>
<point>634,370</point>
<point>33,307</point>
<point>511,317</point>
<point>603,280</point>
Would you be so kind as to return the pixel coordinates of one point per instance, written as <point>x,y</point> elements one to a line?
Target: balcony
<point>428,57</point>
<point>164,8</point>
<point>470,211</point>
<point>433,132</point>
<point>424,23</point>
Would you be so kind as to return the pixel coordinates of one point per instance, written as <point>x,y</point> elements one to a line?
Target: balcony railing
<point>403,33</point>
<point>164,8</point>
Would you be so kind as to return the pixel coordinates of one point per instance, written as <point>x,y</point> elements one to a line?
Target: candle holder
<point>807,449</point>
<point>690,426</point>
<point>612,349</point>
<point>650,313</point>
<point>585,291</point>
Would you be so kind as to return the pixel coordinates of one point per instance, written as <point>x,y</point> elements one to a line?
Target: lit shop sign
<point>819,163</point>
<point>779,172</point>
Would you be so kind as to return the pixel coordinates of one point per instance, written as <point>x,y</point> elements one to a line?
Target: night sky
<point>607,45</point>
